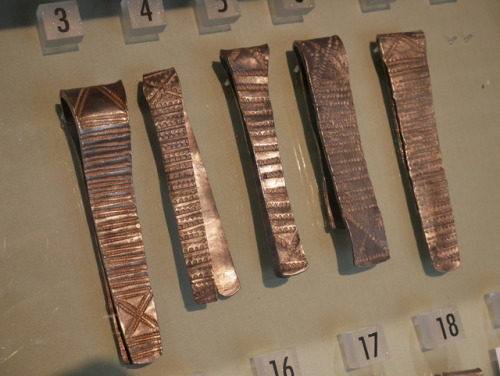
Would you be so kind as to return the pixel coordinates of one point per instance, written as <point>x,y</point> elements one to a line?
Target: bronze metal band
<point>470,372</point>
<point>97,118</point>
<point>247,69</point>
<point>404,57</point>
<point>206,252</point>
<point>326,78</point>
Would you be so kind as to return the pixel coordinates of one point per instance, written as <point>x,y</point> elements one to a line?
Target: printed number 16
<point>287,369</point>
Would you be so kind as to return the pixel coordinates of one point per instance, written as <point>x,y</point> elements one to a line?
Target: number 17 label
<point>363,347</point>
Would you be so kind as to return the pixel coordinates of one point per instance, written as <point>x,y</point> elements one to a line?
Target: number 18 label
<point>278,363</point>
<point>363,347</point>
<point>439,327</point>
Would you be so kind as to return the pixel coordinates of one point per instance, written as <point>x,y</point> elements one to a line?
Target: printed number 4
<point>373,335</point>
<point>146,11</point>
<point>287,369</point>
<point>452,326</point>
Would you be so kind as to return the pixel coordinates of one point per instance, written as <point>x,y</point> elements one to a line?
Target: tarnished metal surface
<point>97,118</point>
<point>247,69</point>
<point>470,372</point>
<point>206,252</point>
<point>404,56</point>
<point>326,77</point>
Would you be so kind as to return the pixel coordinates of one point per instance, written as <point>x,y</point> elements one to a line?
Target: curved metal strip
<point>247,69</point>
<point>206,252</point>
<point>405,60</point>
<point>98,120</point>
<point>326,77</point>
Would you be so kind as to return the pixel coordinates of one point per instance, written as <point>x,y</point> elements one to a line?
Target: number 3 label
<point>279,363</point>
<point>439,327</point>
<point>363,347</point>
<point>59,26</point>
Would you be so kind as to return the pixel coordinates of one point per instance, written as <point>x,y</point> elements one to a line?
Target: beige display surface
<point>53,317</point>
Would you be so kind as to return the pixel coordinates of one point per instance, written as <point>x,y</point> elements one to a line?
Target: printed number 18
<point>452,326</point>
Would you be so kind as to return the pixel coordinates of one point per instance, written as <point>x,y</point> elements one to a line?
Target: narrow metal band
<point>97,117</point>
<point>206,252</point>
<point>470,372</point>
<point>404,57</point>
<point>326,77</point>
<point>247,69</point>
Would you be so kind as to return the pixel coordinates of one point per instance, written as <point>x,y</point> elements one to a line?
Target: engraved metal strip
<point>404,57</point>
<point>247,69</point>
<point>206,251</point>
<point>97,118</point>
<point>470,372</point>
<point>325,70</point>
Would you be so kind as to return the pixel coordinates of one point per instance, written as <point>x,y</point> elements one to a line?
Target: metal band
<point>326,76</point>
<point>204,244</point>
<point>404,56</point>
<point>470,372</point>
<point>97,117</point>
<point>247,69</point>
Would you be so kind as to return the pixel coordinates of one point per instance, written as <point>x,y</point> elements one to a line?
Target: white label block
<point>363,347</point>
<point>287,11</point>
<point>59,26</point>
<point>373,5</point>
<point>493,302</point>
<point>439,327</point>
<point>497,353</point>
<point>278,363</point>
<point>142,20</point>
<point>216,15</point>
<point>441,1</point>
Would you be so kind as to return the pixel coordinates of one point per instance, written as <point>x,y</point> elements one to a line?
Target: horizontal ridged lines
<point>341,143</point>
<point>253,96</point>
<point>170,123</point>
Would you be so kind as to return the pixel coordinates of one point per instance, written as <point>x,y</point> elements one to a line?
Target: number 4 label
<point>278,363</point>
<point>363,347</point>
<point>142,20</point>
<point>439,327</point>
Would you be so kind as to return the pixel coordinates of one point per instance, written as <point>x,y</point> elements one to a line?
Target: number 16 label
<point>363,347</point>
<point>278,363</point>
<point>439,327</point>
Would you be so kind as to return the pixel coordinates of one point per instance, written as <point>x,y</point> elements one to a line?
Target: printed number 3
<point>224,7</point>
<point>287,369</point>
<point>146,11</point>
<point>64,19</point>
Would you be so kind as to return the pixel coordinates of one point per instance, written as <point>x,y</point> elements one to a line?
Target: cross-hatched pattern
<point>205,248</point>
<point>248,70</point>
<point>100,116</point>
<point>325,67</point>
<point>404,56</point>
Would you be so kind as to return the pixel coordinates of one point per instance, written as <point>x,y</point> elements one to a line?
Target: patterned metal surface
<point>247,69</point>
<point>326,77</point>
<point>97,117</point>
<point>404,56</point>
<point>206,252</point>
